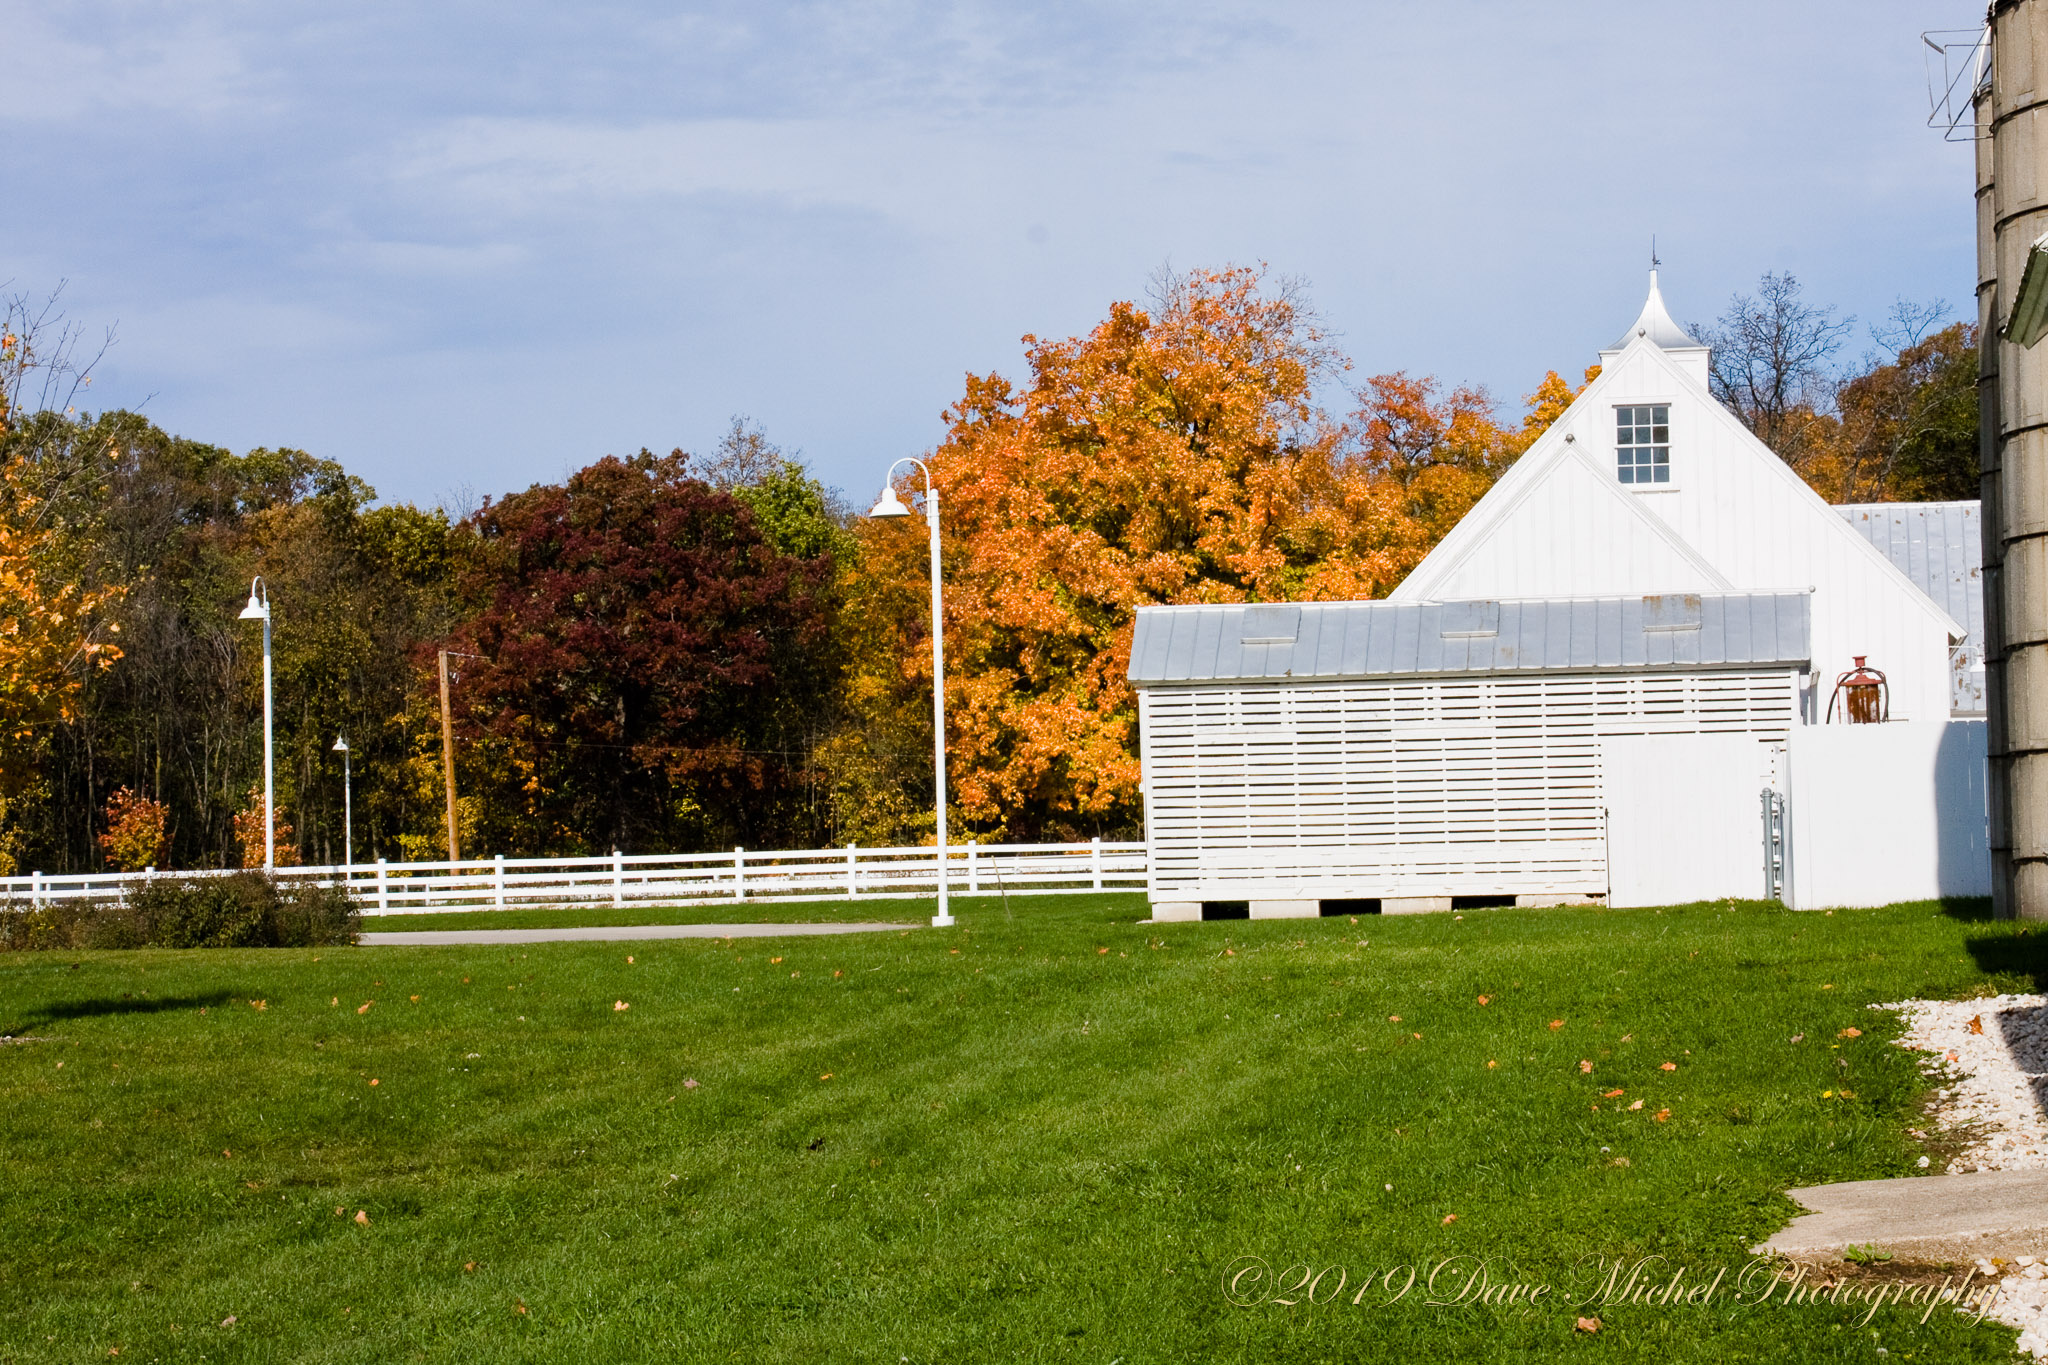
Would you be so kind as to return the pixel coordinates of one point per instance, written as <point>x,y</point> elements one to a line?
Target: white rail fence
<point>634,879</point>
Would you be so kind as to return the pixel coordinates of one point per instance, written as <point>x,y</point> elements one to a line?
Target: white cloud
<point>65,63</point>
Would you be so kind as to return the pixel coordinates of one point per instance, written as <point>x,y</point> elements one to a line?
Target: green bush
<point>245,910</point>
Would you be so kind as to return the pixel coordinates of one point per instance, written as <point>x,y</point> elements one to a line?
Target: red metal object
<point>1869,696</point>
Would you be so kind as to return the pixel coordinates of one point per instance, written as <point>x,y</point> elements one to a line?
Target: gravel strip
<point>1993,1055</point>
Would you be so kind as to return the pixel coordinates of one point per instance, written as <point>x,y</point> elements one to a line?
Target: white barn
<point>1719,513</point>
<point>1381,756</point>
<point>1648,589</point>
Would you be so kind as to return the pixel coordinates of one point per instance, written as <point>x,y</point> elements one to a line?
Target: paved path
<point>1923,1218</point>
<point>616,932</point>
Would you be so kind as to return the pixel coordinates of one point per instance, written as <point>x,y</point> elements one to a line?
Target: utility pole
<point>2011,142</point>
<point>448,757</point>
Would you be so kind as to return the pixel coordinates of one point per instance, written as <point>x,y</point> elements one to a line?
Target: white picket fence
<point>634,879</point>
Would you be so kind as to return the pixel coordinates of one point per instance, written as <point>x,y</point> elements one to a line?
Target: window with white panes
<point>1642,443</point>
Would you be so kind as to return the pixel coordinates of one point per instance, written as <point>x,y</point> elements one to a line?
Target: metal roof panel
<point>1373,639</point>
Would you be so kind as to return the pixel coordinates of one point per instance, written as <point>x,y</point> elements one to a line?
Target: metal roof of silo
<point>1939,545</point>
<point>1331,640</point>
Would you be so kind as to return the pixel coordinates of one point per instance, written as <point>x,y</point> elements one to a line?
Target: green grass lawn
<point>1040,1136</point>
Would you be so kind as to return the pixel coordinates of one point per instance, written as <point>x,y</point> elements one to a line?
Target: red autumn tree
<point>642,651</point>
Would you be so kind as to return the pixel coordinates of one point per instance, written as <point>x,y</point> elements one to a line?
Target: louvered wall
<point>1486,785</point>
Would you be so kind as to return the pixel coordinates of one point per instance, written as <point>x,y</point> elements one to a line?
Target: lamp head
<point>258,608</point>
<point>340,745</point>
<point>890,505</point>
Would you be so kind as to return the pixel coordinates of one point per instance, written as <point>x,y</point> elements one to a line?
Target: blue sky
<point>465,247</point>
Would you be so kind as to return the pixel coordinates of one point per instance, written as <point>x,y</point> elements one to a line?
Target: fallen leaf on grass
<point>331,1000</point>
<point>1628,1037</point>
<point>1587,1325</point>
<point>954,951</point>
<point>1491,1065</point>
<point>794,975</point>
<point>1585,1067</point>
<point>1976,1023</point>
<point>1230,952</point>
<point>826,1077</point>
<point>629,959</point>
<point>689,1085</point>
<point>375,1081</point>
<point>415,1000</point>
<point>1393,1018</point>
<point>1613,1094</point>
<point>1557,1023</point>
<point>836,973</point>
<point>364,1008</point>
<point>1667,1066</point>
<point>228,1321</point>
<point>773,960</point>
<point>619,1005</point>
<point>259,1004</point>
<point>1636,1105</point>
<point>1662,1116</point>
<point>226,1153</point>
<point>362,1218</point>
<point>469,1265</point>
<point>1798,1037</point>
<point>1484,999</point>
<point>1102,952</point>
<point>1450,1218</point>
<point>1850,1033</point>
<point>519,1308</point>
<point>1830,986</point>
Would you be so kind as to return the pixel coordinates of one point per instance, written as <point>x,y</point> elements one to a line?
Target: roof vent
<point>1469,620</point>
<point>1275,625</point>
<point>1672,611</point>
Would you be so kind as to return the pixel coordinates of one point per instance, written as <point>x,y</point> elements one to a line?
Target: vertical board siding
<point>1483,785</point>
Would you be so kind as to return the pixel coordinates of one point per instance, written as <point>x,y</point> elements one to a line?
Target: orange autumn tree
<point>52,628</point>
<point>1174,454</point>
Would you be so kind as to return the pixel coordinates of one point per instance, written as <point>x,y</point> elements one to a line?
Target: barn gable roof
<point>1336,640</point>
<point>1550,452</point>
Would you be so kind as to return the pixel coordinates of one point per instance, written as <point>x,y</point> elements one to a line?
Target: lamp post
<point>259,610</point>
<point>348,809</point>
<point>892,506</point>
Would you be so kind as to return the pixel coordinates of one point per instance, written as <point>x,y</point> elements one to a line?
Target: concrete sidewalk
<point>1922,1218</point>
<point>623,932</point>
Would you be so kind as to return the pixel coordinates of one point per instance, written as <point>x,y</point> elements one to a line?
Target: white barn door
<point>1684,818</point>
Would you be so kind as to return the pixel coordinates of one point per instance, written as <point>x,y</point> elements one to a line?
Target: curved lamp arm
<point>892,506</point>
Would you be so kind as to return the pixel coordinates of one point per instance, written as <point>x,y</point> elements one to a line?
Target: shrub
<point>138,831</point>
<point>245,910</point>
<point>249,834</point>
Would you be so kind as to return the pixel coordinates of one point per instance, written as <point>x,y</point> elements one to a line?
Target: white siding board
<point>1480,784</point>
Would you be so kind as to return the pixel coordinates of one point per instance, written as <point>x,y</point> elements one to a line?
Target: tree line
<point>692,651</point>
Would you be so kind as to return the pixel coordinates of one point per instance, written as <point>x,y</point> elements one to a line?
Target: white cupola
<point>1654,324</point>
